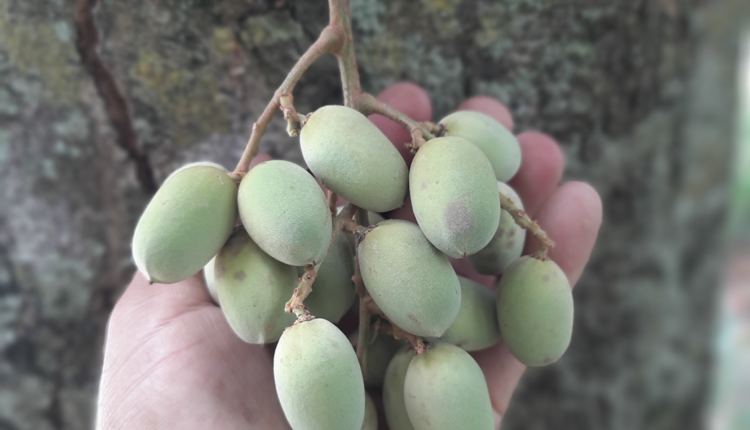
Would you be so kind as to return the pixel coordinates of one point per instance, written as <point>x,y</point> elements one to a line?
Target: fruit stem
<point>330,40</point>
<point>420,132</point>
<point>332,197</point>
<point>416,342</point>
<point>523,220</point>
<point>341,20</point>
<point>304,288</point>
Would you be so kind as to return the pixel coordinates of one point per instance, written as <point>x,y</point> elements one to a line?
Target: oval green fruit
<point>411,281</point>
<point>445,389</point>
<point>535,311</point>
<point>378,355</point>
<point>210,277</point>
<point>253,288</point>
<point>285,212</point>
<point>454,195</point>
<point>497,142</point>
<point>333,290</point>
<point>393,390</point>
<point>506,245</point>
<point>353,158</point>
<point>318,378</point>
<point>185,223</point>
<point>371,414</point>
<point>476,325</point>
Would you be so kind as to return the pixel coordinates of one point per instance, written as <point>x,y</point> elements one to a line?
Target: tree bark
<point>640,93</point>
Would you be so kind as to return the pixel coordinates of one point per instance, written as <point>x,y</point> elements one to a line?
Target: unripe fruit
<point>393,391</point>
<point>476,325</point>
<point>253,289</point>
<point>333,290</point>
<point>285,212</point>
<point>371,414</point>
<point>535,311</point>
<point>445,389</point>
<point>377,356</point>
<point>354,159</point>
<point>318,378</point>
<point>410,280</point>
<point>498,144</point>
<point>454,195</point>
<point>210,277</point>
<point>186,223</point>
<point>506,245</point>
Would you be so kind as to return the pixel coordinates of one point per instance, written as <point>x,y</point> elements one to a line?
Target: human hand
<point>172,361</point>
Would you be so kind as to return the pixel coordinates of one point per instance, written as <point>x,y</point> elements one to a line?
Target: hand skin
<point>172,361</point>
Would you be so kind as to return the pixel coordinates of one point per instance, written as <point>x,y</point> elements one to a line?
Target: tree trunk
<point>640,93</point>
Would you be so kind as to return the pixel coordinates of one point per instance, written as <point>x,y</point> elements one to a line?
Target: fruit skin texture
<point>393,390</point>
<point>379,354</point>
<point>535,311</point>
<point>285,212</point>
<point>318,378</point>
<point>411,281</point>
<point>506,245</point>
<point>185,223</point>
<point>253,288</point>
<point>210,278</point>
<point>476,325</point>
<point>497,142</point>
<point>371,414</point>
<point>354,159</point>
<point>454,195</point>
<point>445,389</point>
<point>333,290</point>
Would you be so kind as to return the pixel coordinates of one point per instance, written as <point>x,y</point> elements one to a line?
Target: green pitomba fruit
<point>498,144</point>
<point>445,389</point>
<point>354,159</point>
<point>506,245</point>
<point>333,290</point>
<point>378,354</point>
<point>185,223</point>
<point>476,325</point>
<point>535,311</point>
<point>318,378</point>
<point>253,288</point>
<point>285,212</point>
<point>454,195</point>
<point>209,276</point>
<point>371,414</point>
<point>393,390</point>
<point>411,281</point>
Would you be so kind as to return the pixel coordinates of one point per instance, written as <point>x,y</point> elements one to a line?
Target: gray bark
<point>640,93</point>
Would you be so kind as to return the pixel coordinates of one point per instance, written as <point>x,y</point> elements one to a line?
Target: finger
<point>260,157</point>
<point>411,100</point>
<point>571,217</point>
<point>490,107</point>
<point>542,165</point>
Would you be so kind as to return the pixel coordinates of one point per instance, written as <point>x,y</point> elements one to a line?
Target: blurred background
<point>99,102</point>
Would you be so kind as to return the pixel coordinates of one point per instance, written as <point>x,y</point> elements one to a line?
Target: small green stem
<point>523,220</point>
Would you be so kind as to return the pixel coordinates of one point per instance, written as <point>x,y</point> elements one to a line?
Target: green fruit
<point>507,243</point>
<point>318,379</point>
<point>186,223</point>
<point>333,290</point>
<point>378,355</point>
<point>371,414</point>
<point>476,325</point>
<point>354,159</point>
<point>253,289</point>
<point>445,389</point>
<point>454,195</point>
<point>210,278</point>
<point>413,283</point>
<point>393,390</point>
<point>535,311</point>
<point>285,212</point>
<point>498,144</point>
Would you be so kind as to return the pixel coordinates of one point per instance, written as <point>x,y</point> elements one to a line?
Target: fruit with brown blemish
<point>506,245</point>
<point>210,278</point>
<point>454,195</point>
<point>411,281</point>
<point>354,159</point>
<point>378,354</point>
<point>285,212</point>
<point>371,414</point>
<point>535,311</point>
<point>497,142</point>
<point>318,379</point>
<point>185,223</point>
<point>445,389</point>
<point>476,325</point>
<point>393,390</point>
<point>253,288</point>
